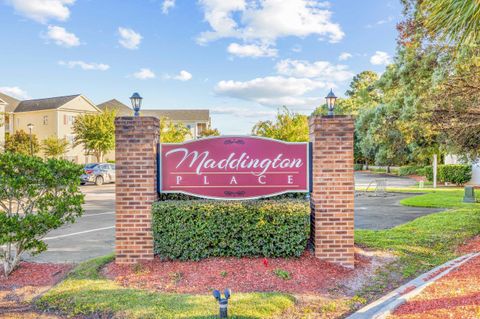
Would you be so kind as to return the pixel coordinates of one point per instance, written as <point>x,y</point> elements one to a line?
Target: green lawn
<point>425,242</point>
<point>446,199</point>
<point>86,292</point>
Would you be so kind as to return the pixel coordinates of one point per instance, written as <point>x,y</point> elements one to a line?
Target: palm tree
<point>454,20</point>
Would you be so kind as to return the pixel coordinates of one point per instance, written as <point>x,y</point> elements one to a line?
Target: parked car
<point>98,173</point>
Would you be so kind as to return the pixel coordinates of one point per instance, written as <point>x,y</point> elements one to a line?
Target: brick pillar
<point>136,141</point>
<point>332,197</point>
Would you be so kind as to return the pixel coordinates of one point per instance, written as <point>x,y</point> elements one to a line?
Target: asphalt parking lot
<point>93,234</point>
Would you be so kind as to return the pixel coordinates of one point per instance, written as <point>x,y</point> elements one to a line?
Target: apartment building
<point>50,117</point>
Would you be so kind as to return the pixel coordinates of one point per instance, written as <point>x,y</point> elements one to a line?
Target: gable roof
<point>50,103</point>
<point>174,115</point>
<point>179,114</point>
<point>12,103</point>
<point>117,106</point>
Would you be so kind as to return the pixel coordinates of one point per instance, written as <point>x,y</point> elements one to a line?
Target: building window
<point>68,119</point>
<point>201,127</point>
<point>45,120</point>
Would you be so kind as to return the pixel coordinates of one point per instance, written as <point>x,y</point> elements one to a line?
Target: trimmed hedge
<point>453,173</point>
<point>456,174</point>
<point>192,230</point>
<point>429,172</point>
<point>410,170</point>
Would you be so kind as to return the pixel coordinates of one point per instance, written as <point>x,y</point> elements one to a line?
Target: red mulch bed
<point>456,295</point>
<point>34,274</point>
<point>471,246</point>
<point>308,274</point>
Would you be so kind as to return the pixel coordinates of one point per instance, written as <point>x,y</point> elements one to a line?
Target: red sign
<point>237,167</point>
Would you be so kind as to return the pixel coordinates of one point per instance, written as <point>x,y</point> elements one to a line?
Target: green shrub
<point>357,167</point>
<point>36,196</point>
<point>456,174</point>
<point>192,230</point>
<point>421,171</point>
<point>429,172</point>
<point>453,173</point>
<point>409,170</point>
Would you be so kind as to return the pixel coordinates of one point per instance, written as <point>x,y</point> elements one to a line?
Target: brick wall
<point>332,199</point>
<point>135,191</point>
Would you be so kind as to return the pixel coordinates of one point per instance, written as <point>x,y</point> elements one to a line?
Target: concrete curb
<point>386,305</point>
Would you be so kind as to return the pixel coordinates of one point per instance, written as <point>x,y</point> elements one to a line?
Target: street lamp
<point>30,127</point>
<point>330,101</point>
<point>136,100</point>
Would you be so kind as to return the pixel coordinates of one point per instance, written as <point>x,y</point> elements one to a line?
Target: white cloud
<point>300,84</point>
<point>62,37</point>
<point>265,21</point>
<point>380,58</point>
<point>15,91</point>
<point>144,74</point>
<point>85,65</point>
<point>251,50</point>
<point>320,70</point>
<point>167,5</point>
<point>183,76</point>
<point>43,10</point>
<point>129,39</point>
<point>271,90</point>
<point>344,56</point>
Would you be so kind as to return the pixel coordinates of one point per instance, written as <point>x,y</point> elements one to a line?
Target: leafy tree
<point>364,141</point>
<point>455,21</point>
<point>95,132</point>
<point>19,142</point>
<point>36,196</point>
<point>363,93</point>
<point>457,110</point>
<point>54,147</point>
<point>287,126</point>
<point>210,132</point>
<point>173,132</point>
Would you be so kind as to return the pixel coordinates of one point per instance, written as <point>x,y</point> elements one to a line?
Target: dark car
<point>98,173</point>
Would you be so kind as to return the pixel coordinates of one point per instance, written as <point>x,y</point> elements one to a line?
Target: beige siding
<point>65,117</point>
<point>41,130</point>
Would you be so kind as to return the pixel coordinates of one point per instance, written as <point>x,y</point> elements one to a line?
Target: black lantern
<point>136,100</point>
<point>330,98</point>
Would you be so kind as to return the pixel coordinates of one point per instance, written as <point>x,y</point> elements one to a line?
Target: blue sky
<point>242,59</point>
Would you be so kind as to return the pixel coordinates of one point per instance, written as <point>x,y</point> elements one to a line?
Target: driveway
<point>93,234</point>
<point>363,179</point>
